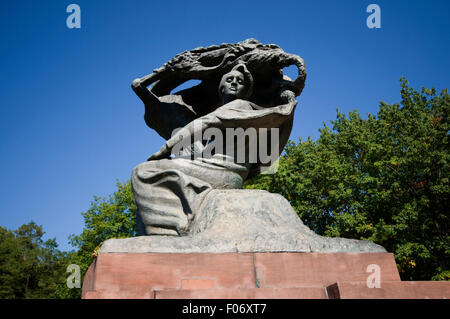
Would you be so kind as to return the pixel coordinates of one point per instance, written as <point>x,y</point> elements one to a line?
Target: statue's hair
<point>248,78</point>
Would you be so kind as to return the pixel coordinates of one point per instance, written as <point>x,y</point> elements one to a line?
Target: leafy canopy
<point>31,267</point>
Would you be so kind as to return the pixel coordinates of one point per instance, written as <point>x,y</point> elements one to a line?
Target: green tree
<point>31,267</point>
<point>11,276</point>
<point>113,217</point>
<point>384,179</point>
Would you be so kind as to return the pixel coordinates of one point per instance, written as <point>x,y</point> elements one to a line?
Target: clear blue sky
<point>70,125</point>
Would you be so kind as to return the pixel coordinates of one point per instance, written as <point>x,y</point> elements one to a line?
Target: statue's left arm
<point>238,113</point>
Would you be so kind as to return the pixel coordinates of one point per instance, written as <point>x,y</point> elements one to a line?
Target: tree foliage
<point>384,178</point>
<point>31,267</point>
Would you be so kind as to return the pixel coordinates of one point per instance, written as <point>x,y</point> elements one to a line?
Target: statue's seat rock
<point>242,221</point>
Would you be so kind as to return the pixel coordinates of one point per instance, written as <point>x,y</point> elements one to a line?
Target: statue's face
<point>232,86</point>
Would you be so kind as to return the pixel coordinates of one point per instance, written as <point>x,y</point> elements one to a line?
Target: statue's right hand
<point>164,152</point>
<point>136,83</point>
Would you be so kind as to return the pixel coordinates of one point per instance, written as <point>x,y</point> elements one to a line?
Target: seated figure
<point>168,191</point>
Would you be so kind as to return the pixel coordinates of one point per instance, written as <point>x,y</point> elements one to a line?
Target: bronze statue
<point>230,127</point>
<point>242,87</point>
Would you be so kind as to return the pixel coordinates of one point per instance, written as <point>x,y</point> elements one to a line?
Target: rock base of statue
<point>252,276</point>
<point>241,220</point>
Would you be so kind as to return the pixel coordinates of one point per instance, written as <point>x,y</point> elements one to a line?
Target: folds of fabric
<point>168,192</point>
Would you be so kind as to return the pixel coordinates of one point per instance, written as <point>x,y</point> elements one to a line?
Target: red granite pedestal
<point>250,276</point>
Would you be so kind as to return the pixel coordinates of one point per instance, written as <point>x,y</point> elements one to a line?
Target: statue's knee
<point>146,167</point>
<point>136,170</point>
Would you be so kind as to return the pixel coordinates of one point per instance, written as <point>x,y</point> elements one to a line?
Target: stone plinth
<point>250,275</point>
<point>245,293</point>
<point>299,270</point>
<point>391,290</point>
<point>139,275</point>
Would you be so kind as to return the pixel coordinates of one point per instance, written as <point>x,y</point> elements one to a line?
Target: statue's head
<point>236,84</point>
